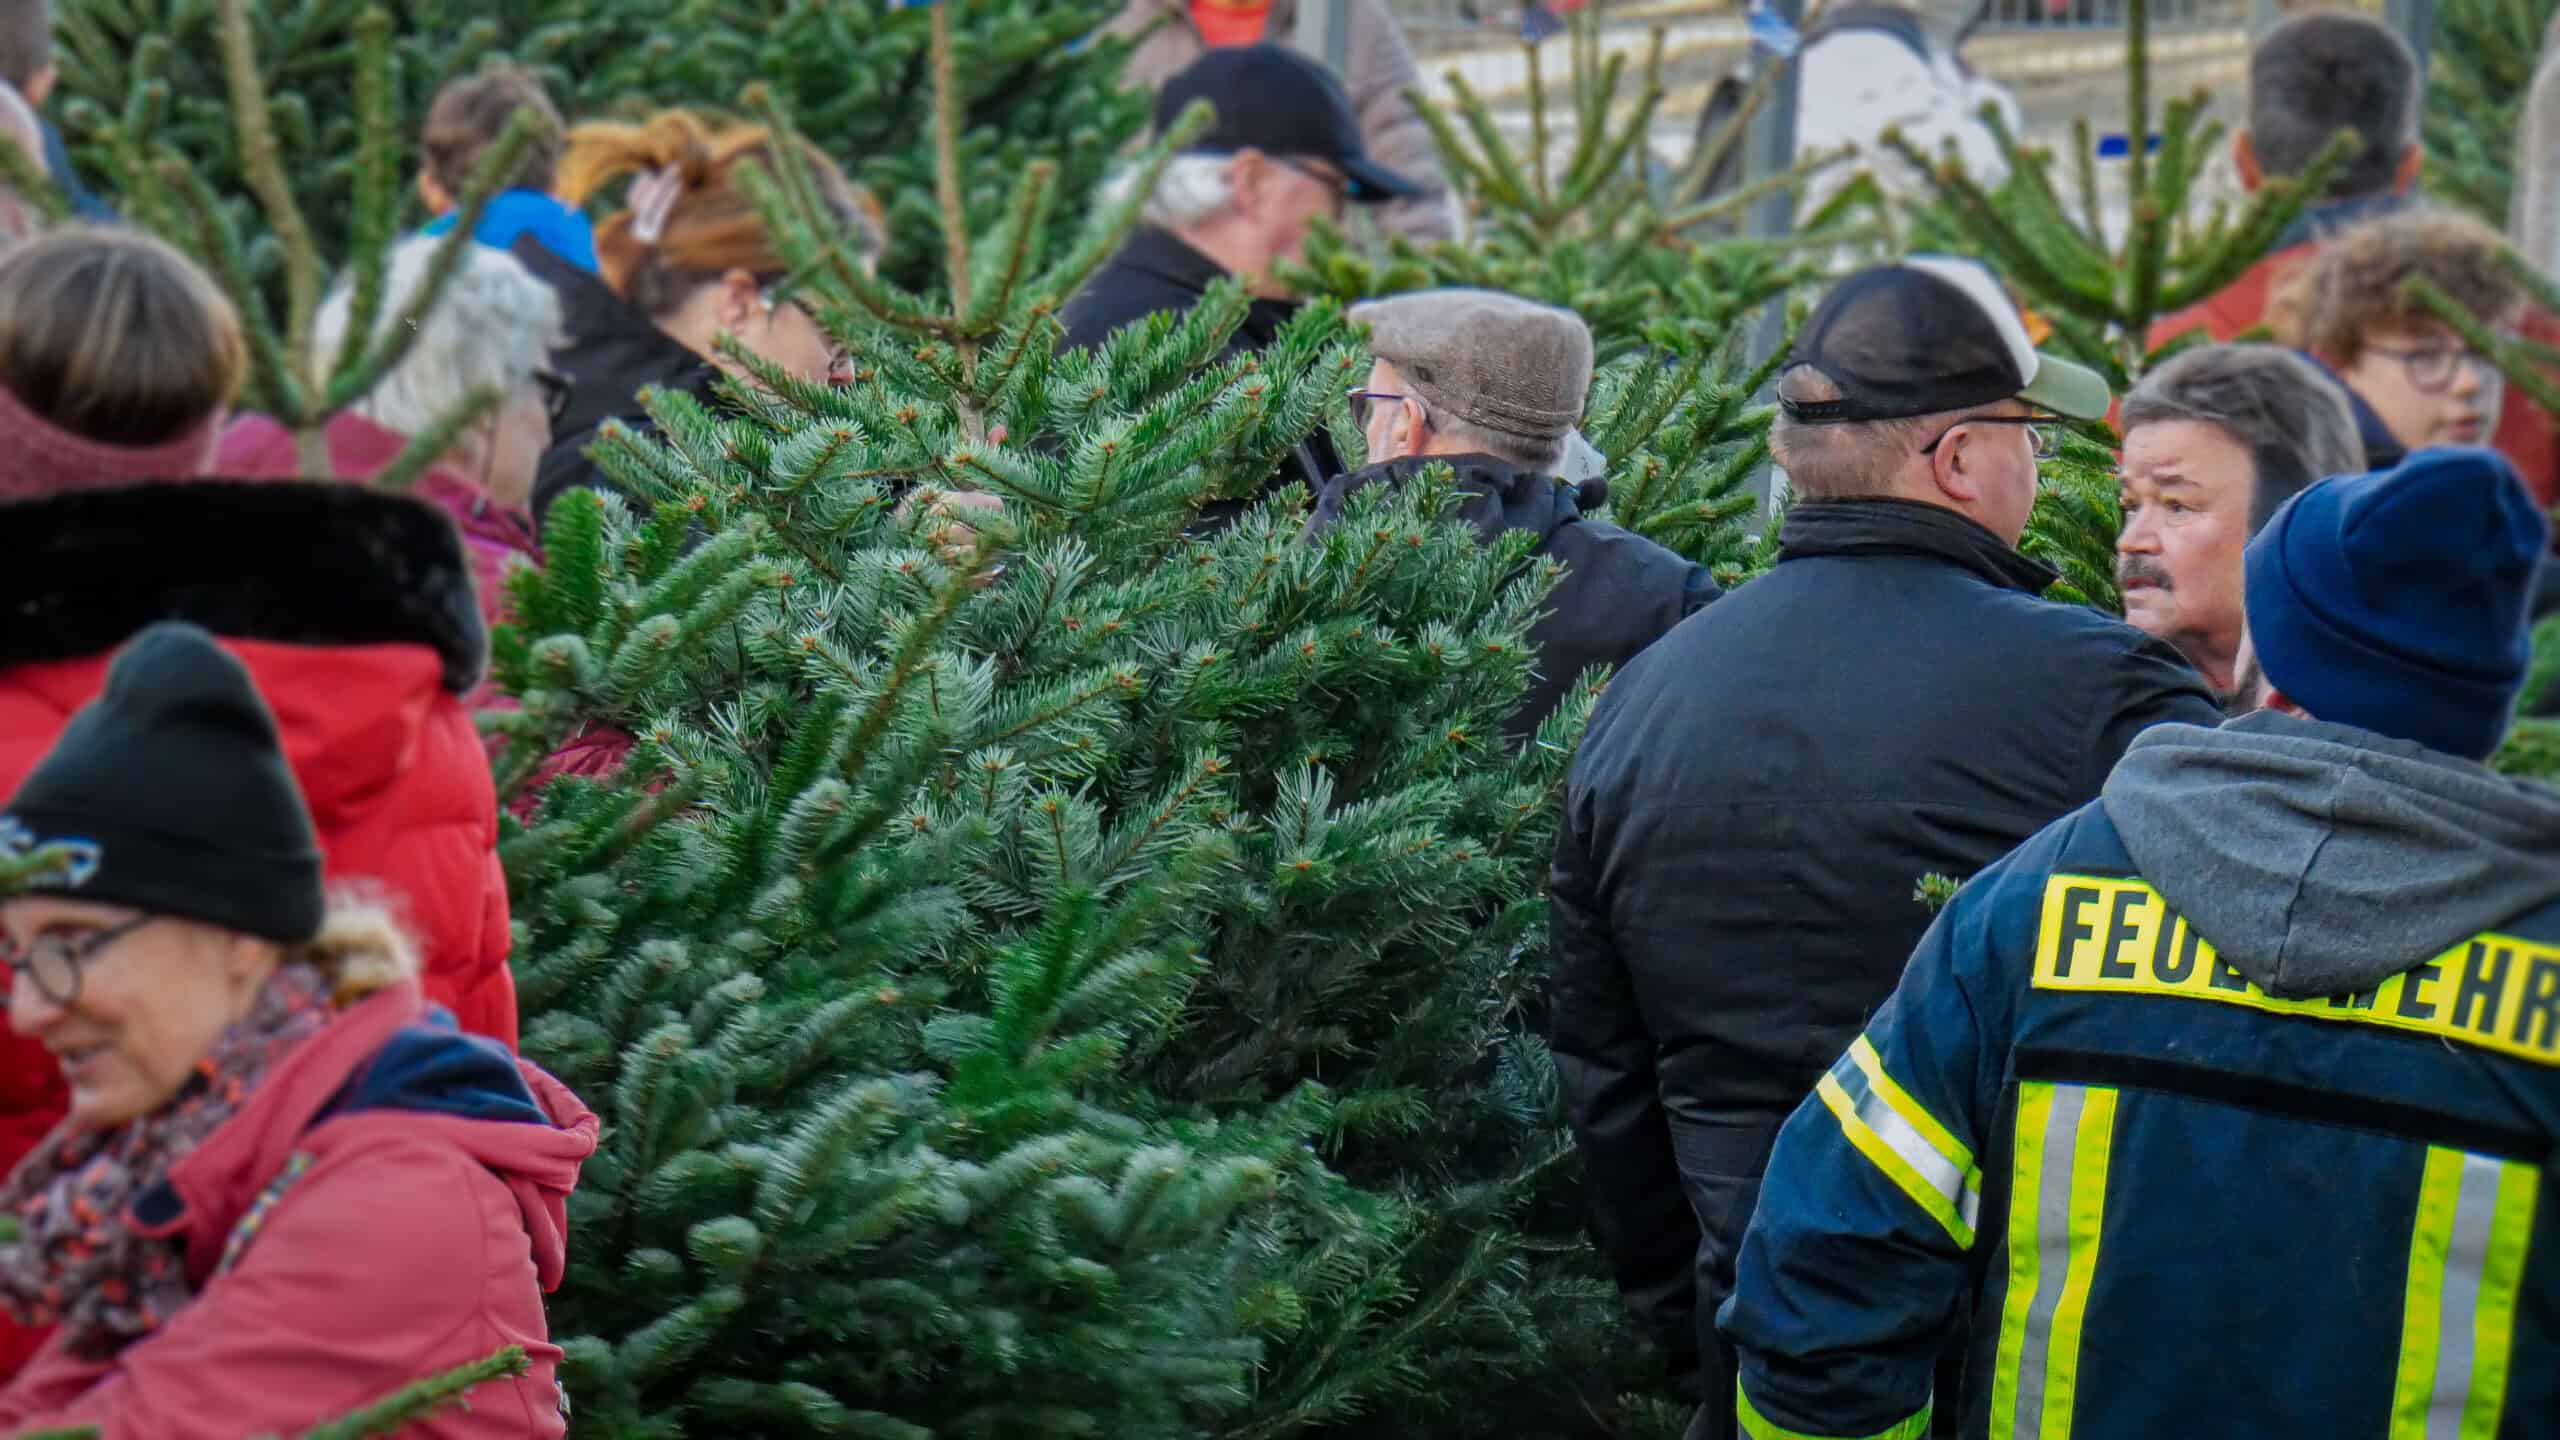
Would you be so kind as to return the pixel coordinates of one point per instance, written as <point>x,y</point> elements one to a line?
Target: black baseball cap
<point>1272,99</point>
<point>1927,335</point>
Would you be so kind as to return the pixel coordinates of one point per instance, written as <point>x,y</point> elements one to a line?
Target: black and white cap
<point>1928,335</point>
<point>1272,99</point>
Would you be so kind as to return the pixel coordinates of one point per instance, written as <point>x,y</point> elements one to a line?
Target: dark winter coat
<point>614,352</point>
<point>1155,272</point>
<point>1620,591</point>
<point>2222,1105</point>
<point>1756,799</point>
<point>389,1203</point>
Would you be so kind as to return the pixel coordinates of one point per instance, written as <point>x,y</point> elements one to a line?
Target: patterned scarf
<point>76,1264</point>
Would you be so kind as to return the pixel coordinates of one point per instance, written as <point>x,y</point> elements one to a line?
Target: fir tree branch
<point>2519,370</point>
<point>398,1411</point>
<point>35,189</point>
<point>946,161</point>
<point>262,160</point>
<point>437,440</point>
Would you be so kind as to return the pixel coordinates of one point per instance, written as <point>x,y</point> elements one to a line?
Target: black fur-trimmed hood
<point>294,562</point>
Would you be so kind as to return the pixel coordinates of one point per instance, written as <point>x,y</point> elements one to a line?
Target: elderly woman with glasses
<point>285,1186</point>
<point>491,332</point>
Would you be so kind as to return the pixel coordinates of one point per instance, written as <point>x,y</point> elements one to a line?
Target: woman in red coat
<point>284,1188</point>
<point>355,611</point>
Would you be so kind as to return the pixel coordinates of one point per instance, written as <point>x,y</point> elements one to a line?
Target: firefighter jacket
<point>2227,1105</point>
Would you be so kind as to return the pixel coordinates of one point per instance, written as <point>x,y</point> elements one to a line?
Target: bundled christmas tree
<point>1052,974</point>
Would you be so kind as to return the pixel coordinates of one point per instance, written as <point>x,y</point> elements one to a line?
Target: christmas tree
<point>139,72</point>
<point>2481,65</point>
<point>1056,975</point>
<point>250,224</point>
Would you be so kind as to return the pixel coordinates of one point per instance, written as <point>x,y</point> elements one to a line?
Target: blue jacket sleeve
<point>1857,1261</point>
<point>57,161</point>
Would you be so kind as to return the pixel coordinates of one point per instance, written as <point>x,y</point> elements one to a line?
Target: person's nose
<point>2469,377</point>
<point>2138,537</point>
<point>31,1011</point>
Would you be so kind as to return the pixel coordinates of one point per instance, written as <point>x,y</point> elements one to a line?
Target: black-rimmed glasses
<point>1364,401</point>
<point>2044,433</point>
<point>2431,368</point>
<point>556,393</point>
<point>54,962</point>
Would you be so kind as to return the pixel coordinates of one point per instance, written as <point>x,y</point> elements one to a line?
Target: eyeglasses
<point>1336,184</point>
<point>54,962</point>
<point>1363,401</point>
<point>2430,367</point>
<point>556,393</point>
<point>2044,433</point>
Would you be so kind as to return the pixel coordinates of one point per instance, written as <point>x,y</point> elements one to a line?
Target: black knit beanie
<point>173,791</point>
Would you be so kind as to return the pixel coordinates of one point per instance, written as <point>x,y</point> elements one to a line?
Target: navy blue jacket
<point>2182,1199</point>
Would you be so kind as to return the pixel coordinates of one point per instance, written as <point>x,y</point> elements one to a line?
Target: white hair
<point>1192,188</point>
<point>493,325</point>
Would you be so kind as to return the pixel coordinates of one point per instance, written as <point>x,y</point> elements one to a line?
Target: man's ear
<point>1248,175</point>
<point>2244,158</point>
<point>433,195</point>
<point>1947,466</point>
<point>39,86</point>
<point>2412,161</point>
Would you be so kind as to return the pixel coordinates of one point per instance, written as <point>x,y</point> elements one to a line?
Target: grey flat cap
<point>1495,361</point>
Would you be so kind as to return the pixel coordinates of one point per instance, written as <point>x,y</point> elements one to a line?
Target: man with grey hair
<point>2214,441</point>
<point>1285,148</point>
<point>1761,792</point>
<point>1492,385</point>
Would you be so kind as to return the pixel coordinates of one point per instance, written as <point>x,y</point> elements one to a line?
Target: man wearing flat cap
<point>1759,795</point>
<point>1492,385</point>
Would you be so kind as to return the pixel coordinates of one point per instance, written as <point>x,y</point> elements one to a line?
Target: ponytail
<point>686,220</point>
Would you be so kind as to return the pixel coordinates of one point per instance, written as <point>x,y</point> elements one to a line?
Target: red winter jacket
<point>354,612</point>
<point>494,539</point>
<point>2525,434</point>
<point>424,1225</point>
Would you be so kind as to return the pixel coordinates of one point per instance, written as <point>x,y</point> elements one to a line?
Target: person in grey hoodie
<point>2225,1105</point>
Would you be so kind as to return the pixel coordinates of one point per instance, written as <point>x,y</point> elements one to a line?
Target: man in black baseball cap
<point>1759,792</point>
<point>1284,149</point>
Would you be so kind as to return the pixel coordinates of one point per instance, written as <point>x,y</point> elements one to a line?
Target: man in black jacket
<point>1285,149</point>
<point>1491,384</point>
<point>1760,792</point>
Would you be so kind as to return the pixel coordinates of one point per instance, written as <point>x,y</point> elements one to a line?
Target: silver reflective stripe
<point>1910,1144</point>
<point>2475,1216</point>
<point>2053,1253</point>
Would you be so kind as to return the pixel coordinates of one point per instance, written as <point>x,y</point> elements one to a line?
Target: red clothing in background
<point>1231,24</point>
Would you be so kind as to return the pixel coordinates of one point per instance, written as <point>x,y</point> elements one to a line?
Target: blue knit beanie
<point>2395,602</point>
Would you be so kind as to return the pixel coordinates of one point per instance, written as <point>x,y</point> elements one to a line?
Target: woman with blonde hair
<point>687,259</point>
<point>118,360</point>
<point>284,1187</point>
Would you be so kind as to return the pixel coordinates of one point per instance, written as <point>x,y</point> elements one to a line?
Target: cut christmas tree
<point>1056,975</point>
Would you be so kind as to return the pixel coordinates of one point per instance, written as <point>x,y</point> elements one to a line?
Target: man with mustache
<point>2215,441</point>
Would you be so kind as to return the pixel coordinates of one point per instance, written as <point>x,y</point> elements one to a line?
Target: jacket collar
<point>2321,221</point>
<point>1880,526</point>
<point>295,562</point>
<point>1500,495</point>
<point>1156,251</point>
<point>219,1179</point>
<point>2382,449</point>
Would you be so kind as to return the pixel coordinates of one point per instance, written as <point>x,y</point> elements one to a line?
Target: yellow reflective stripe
<point>2467,1251</point>
<point>2088,1223</point>
<point>2057,1214</point>
<point>1862,1053</point>
<point>1898,1167</point>
<point>1759,1427</point>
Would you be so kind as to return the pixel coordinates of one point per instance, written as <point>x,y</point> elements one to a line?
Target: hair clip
<point>652,200</point>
